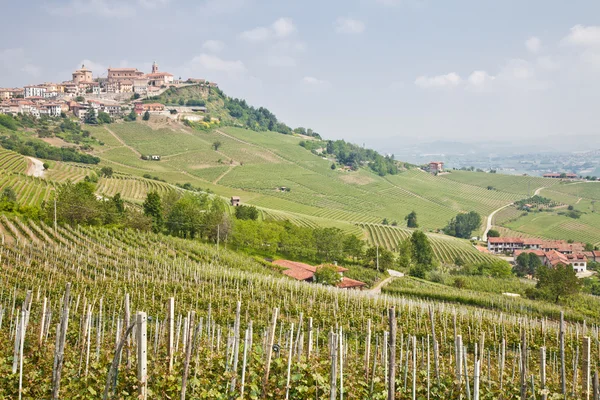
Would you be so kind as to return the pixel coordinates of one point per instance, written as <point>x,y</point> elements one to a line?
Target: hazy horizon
<point>385,73</point>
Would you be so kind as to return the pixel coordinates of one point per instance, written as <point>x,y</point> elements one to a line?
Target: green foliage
<point>421,251</point>
<point>536,200</point>
<point>106,172</point>
<point>146,116</point>
<point>527,264</point>
<point>333,167</point>
<point>379,258</point>
<point>8,195</point>
<point>327,275</point>
<point>104,118</point>
<point>493,233</point>
<point>46,166</point>
<point>153,209</point>
<point>80,99</point>
<point>411,220</point>
<point>90,117</point>
<point>353,247</point>
<point>216,145</point>
<point>8,122</point>
<point>40,149</point>
<point>463,225</point>
<point>557,282</point>
<point>354,156</point>
<point>246,212</point>
<point>131,117</point>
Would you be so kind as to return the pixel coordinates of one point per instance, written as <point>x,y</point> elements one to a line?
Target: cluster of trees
<point>76,203</point>
<point>8,122</point>
<point>463,225</point>
<point>9,203</point>
<point>40,149</point>
<point>353,156</point>
<point>257,119</point>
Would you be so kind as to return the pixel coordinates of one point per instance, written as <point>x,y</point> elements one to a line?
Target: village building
<point>436,167</point>
<point>140,86</point>
<point>552,258</point>
<point>511,244</point>
<point>154,107</point>
<point>235,201</point>
<point>123,74</point>
<point>8,93</point>
<point>82,75</point>
<point>305,272</point>
<point>34,91</point>
<point>157,78</point>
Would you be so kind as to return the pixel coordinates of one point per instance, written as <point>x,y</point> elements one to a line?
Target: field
<point>446,249</point>
<point>75,294</point>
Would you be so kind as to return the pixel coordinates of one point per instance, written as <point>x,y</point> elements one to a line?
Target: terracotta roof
<point>537,252</point>
<point>123,69</point>
<point>532,241</point>
<point>347,283</point>
<point>505,240</point>
<point>158,74</point>
<point>296,270</point>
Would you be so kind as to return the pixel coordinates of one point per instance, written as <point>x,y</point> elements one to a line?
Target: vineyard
<point>446,249</point>
<point>90,313</point>
<point>11,161</point>
<point>30,191</point>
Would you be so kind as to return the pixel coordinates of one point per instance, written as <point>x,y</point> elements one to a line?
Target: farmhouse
<point>305,272</point>
<point>235,201</point>
<point>553,258</point>
<point>516,245</point>
<point>436,166</point>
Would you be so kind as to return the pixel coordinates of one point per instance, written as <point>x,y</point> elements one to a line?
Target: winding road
<point>489,222</point>
<point>35,168</point>
<point>393,275</point>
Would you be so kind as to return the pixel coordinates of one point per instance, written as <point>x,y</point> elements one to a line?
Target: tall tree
<point>153,209</point>
<point>327,275</point>
<point>146,116</point>
<point>90,117</point>
<point>463,225</point>
<point>411,220</point>
<point>353,247</point>
<point>422,253</point>
<point>558,282</point>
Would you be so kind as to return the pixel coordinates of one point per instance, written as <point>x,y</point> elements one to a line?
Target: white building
<point>34,91</point>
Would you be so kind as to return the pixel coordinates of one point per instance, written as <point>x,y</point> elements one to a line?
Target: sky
<point>385,73</point>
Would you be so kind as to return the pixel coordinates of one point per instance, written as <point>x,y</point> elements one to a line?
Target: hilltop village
<point>116,92</point>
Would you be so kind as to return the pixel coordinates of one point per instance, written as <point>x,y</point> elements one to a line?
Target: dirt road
<point>393,275</point>
<point>35,167</point>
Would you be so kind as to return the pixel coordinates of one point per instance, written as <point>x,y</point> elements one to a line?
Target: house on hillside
<point>235,201</point>
<point>436,167</point>
<point>305,272</point>
<point>555,175</point>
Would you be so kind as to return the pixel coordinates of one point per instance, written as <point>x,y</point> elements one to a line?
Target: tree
<point>493,233</point>
<point>8,195</point>
<point>246,212</point>
<point>353,247</point>
<point>411,220</point>
<point>589,247</point>
<point>119,203</point>
<point>76,203</point>
<point>381,256</point>
<point>558,282</point>
<point>463,225</point>
<point>327,275</point>
<point>153,209</point>
<point>90,117</point>
<point>106,172</point>
<point>422,253</point>
<point>333,167</point>
<point>405,254</point>
<point>216,144</point>
<point>329,243</point>
<point>146,116</point>
<point>131,117</point>
<point>46,166</point>
<point>104,118</point>
<point>80,99</point>
<point>527,264</point>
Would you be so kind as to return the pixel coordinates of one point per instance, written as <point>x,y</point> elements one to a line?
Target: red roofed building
<point>157,78</point>
<point>555,175</point>
<point>436,166</point>
<point>305,272</point>
<point>512,244</point>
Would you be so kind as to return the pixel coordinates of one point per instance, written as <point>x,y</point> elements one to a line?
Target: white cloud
<point>214,46</point>
<point>586,36</point>
<point>480,79</point>
<point>311,81</point>
<point>283,27</point>
<point>259,34</point>
<point>103,8</point>
<point>548,63</point>
<point>209,62</point>
<point>275,60</point>
<point>533,44</point>
<point>451,79</point>
<point>518,69</point>
<point>349,25</point>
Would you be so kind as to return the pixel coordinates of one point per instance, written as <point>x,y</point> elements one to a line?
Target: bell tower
<point>154,67</point>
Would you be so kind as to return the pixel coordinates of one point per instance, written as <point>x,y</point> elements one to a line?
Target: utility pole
<point>218,236</point>
<point>55,215</point>
<point>377,258</point>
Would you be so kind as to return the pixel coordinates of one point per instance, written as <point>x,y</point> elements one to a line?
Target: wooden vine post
<point>269,349</point>
<point>586,367</point>
<point>142,354</point>
<point>171,331</point>
<point>392,358</point>
<point>563,379</point>
<point>61,338</point>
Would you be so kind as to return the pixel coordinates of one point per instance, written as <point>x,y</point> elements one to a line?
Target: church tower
<point>154,67</point>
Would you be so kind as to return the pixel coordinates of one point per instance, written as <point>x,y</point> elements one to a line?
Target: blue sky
<point>382,72</point>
